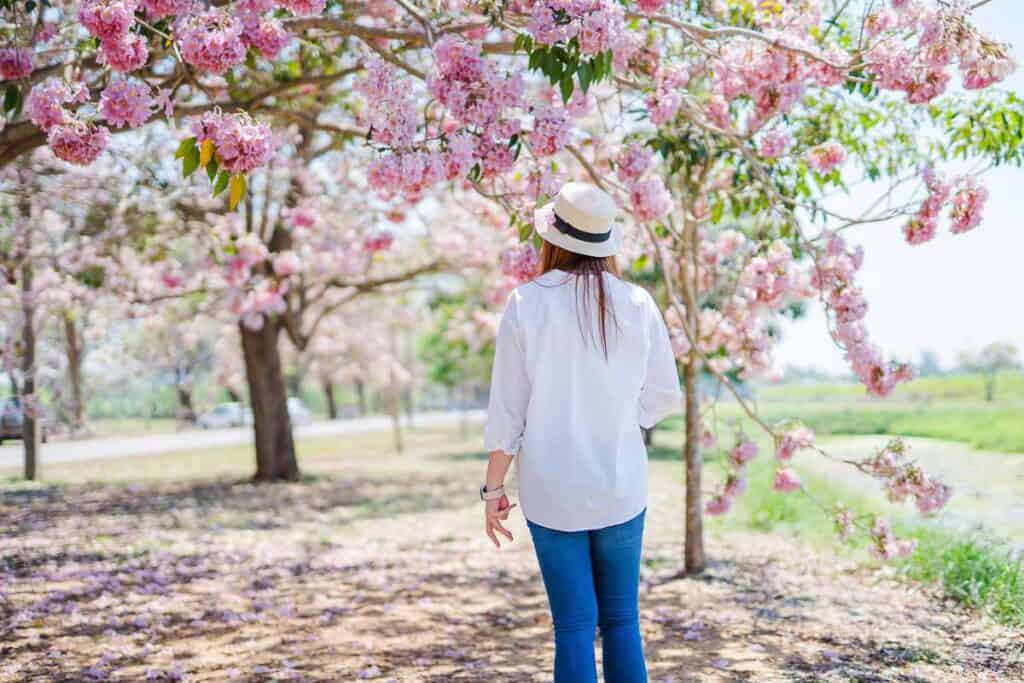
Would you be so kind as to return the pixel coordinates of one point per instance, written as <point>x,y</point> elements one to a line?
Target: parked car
<point>298,412</point>
<point>12,417</point>
<point>226,415</point>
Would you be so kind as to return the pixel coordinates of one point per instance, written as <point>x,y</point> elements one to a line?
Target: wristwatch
<point>491,495</point>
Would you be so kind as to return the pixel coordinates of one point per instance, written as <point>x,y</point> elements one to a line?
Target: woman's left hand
<point>495,512</point>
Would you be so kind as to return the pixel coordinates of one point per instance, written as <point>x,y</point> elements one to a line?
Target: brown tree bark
<point>30,423</point>
<point>75,353</point>
<point>361,397</point>
<point>693,560</point>
<point>332,403</point>
<point>275,448</point>
<point>181,386</point>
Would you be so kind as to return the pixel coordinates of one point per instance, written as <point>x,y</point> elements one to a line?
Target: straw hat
<point>581,220</point>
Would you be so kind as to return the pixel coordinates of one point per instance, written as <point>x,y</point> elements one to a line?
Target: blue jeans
<point>592,578</point>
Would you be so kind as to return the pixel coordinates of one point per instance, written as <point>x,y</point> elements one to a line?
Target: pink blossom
<point>735,486</point>
<point>45,103</point>
<point>520,262</point>
<point>743,452</point>
<point>391,112</point>
<point>631,162</point>
<point>210,40</point>
<point>650,6</point>
<point>651,200</point>
<point>825,156</point>
<point>379,241</point>
<point>550,131</point>
<point>793,440</point>
<point>968,205</point>
<point>774,144</point>
<point>719,505</point>
<point>77,142</point>
<point>242,144</point>
<point>302,217</point>
<point>158,9</point>
<point>108,20</point>
<point>286,263</point>
<point>125,54</point>
<point>844,524</point>
<point>267,35</point>
<point>786,480</point>
<point>126,102</point>
<point>304,8</point>
<point>15,63</point>
<point>919,229</point>
<point>987,70</point>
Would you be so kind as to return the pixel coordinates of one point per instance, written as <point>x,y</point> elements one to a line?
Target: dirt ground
<point>375,568</point>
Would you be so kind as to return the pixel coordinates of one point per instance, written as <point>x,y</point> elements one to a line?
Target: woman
<point>583,361</point>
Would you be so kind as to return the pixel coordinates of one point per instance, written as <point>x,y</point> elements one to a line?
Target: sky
<point>955,293</point>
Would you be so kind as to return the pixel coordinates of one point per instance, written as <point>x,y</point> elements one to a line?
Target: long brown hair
<point>590,272</point>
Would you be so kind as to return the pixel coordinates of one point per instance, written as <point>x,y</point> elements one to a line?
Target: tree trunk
<point>188,410</point>
<point>275,448</point>
<point>990,386</point>
<point>694,561</point>
<point>361,397</point>
<point>29,404</point>
<point>332,404</point>
<point>74,352</point>
<point>233,395</point>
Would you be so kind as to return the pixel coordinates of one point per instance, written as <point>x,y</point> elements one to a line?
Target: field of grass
<point>949,408</point>
<point>975,570</point>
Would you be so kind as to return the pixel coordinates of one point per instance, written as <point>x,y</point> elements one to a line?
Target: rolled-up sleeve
<point>510,387</point>
<point>660,395</point>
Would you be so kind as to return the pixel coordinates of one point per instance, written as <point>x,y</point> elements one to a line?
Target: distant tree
<point>989,361</point>
<point>929,366</point>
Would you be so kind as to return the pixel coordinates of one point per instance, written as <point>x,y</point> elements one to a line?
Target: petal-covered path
<point>375,568</point>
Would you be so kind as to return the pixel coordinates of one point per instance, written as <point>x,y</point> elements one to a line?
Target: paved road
<point>115,447</point>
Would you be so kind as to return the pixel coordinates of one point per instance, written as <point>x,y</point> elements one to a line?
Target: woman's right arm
<point>660,395</point>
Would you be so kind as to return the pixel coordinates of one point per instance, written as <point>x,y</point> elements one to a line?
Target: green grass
<point>978,573</point>
<point>984,426</point>
<point>971,387</point>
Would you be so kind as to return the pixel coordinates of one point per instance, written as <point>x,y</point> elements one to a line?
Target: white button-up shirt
<point>572,416</point>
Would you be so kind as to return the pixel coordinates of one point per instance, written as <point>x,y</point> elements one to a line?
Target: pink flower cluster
<point>158,9</point>
<point>650,198</point>
<point>786,480</point>
<point>77,142</point>
<point>15,63</point>
<point>286,263</point>
<point>768,276</point>
<point>241,143</point>
<point>125,55</point>
<point>69,138</point>
<point>739,456</point>
<point>826,156</point>
<point>469,86</point>
<point>774,144</point>
<point>211,40</point>
<point>681,346</point>
<point>792,440</point>
<point>632,161</point>
<point>834,277</point>
<point>410,173</point>
<point>596,24</point>
<point>905,479</point>
<point>304,8</point>
<point>885,546</point>
<point>266,34</point>
<point>921,67</point>
<point>520,262</point>
<point>390,110</point>
<point>550,131</point>
<point>967,205</point>
<point>663,104</point>
<point>107,20</point>
<point>126,102</point>
<point>378,241</point>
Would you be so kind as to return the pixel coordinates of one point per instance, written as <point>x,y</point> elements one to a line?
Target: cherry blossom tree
<point>723,127</point>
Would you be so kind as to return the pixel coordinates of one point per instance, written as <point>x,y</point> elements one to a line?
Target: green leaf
<point>566,86</point>
<point>525,230</point>
<point>640,263</point>
<point>716,212</point>
<point>190,160</point>
<point>222,183</point>
<point>12,98</point>
<point>184,146</point>
<point>211,169</point>
<point>583,72</point>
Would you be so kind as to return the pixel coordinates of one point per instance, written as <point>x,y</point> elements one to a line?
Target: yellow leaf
<point>237,191</point>
<point>206,152</point>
